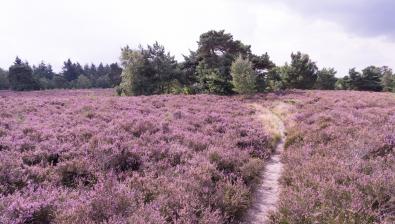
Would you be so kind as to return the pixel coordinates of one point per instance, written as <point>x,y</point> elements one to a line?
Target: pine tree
<point>326,79</point>
<point>302,72</point>
<point>4,82</point>
<point>21,76</point>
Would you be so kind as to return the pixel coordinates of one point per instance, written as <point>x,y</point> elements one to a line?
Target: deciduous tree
<point>388,79</point>
<point>243,76</point>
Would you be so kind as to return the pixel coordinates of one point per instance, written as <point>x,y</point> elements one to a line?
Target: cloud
<point>95,30</point>
<point>362,17</point>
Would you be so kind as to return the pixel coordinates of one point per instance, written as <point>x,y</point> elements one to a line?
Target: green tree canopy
<point>4,83</point>
<point>188,68</point>
<point>21,76</point>
<point>115,74</point>
<point>354,79</point>
<point>71,70</point>
<point>371,79</point>
<point>262,66</point>
<point>83,82</point>
<point>43,71</point>
<point>302,72</point>
<point>208,68</point>
<point>326,79</point>
<point>343,83</point>
<point>147,71</point>
<point>216,52</point>
<point>388,79</point>
<point>243,76</point>
<point>132,75</point>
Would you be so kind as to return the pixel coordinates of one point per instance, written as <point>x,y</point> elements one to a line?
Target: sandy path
<point>266,196</point>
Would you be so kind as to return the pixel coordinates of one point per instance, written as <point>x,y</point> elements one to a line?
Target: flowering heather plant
<point>85,156</point>
<point>339,158</point>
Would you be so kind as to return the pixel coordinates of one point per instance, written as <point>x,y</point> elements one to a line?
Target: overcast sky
<point>335,33</point>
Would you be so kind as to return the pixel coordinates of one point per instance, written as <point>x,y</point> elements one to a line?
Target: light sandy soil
<point>267,193</point>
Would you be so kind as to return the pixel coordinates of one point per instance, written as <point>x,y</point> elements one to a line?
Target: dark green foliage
<point>83,82</point>
<point>216,52</point>
<point>274,81</point>
<point>71,70</point>
<point>326,79</point>
<point>208,68</point>
<point>148,71</point>
<point>343,83</point>
<point>21,76</point>
<point>44,76</point>
<point>115,74</point>
<point>188,68</point>
<point>301,73</point>
<point>388,80</point>
<point>262,63</point>
<point>152,70</point>
<point>355,79</point>
<point>72,76</point>
<point>162,68</point>
<point>4,83</point>
<point>211,80</point>
<point>371,79</point>
<point>101,70</point>
<point>262,66</point>
<point>43,71</point>
<point>90,71</point>
<point>60,82</point>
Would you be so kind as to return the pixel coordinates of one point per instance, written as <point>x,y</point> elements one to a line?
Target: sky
<point>335,33</point>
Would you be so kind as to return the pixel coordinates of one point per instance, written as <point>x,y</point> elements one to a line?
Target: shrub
<point>293,137</point>
<point>74,173</point>
<point>43,215</point>
<point>83,82</point>
<point>233,199</point>
<point>338,166</point>
<point>225,163</point>
<point>124,161</point>
<point>251,170</point>
<point>53,159</point>
<point>12,176</point>
<point>32,159</point>
<point>137,159</point>
<point>111,199</point>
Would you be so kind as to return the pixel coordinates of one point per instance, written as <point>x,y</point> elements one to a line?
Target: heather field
<point>339,158</point>
<point>87,156</point>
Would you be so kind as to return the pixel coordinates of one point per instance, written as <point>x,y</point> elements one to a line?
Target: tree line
<point>23,77</point>
<point>220,65</point>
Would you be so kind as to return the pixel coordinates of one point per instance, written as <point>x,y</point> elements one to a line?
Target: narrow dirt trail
<point>267,193</point>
